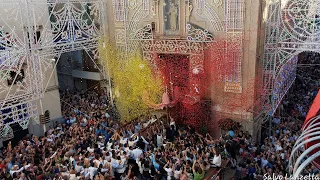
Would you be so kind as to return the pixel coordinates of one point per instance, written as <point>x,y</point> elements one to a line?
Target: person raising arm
<point>198,171</point>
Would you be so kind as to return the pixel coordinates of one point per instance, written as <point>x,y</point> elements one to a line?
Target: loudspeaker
<point>153,26</point>
<point>42,119</point>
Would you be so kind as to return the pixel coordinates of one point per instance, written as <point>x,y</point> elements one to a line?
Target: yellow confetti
<point>131,80</point>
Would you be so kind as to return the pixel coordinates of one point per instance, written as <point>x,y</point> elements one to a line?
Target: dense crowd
<point>294,108</point>
<point>303,91</point>
<point>90,144</point>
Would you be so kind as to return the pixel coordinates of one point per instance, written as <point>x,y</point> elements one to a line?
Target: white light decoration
<point>292,26</point>
<point>60,26</point>
<point>234,17</point>
<point>208,12</point>
<point>195,71</point>
<point>300,158</point>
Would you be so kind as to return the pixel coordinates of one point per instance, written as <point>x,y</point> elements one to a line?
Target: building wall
<point>50,101</point>
<point>249,72</point>
<point>253,26</point>
<point>252,44</point>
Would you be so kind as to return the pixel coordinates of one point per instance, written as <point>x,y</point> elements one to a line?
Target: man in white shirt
<point>133,142</point>
<point>122,166</point>
<point>136,153</point>
<point>129,152</point>
<point>177,172</point>
<point>124,158</point>
<point>91,150</point>
<point>109,144</point>
<point>71,160</point>
<point>278,146</point>
<point>159,140</point>
<point>91,171</point>
<point>96,162</point>
<point>123,141</point>
<point>169,171</point>
<point>15,169</point>
<point>78,167</point>
<point>216,160</point>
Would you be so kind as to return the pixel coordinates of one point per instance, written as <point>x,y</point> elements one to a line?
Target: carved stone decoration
<point>151,48</point>
<point>198,34</point>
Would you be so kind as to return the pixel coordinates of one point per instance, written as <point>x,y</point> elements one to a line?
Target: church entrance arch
<point>188,58</point>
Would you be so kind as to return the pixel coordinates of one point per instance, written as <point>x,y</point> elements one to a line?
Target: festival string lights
<point>220,66</point>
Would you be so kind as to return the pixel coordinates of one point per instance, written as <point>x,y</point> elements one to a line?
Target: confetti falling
<point>132,79</point>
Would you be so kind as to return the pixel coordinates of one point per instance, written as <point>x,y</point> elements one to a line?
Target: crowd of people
<point>305,88</point>
<point>290,116</point>
<point>90,144</point>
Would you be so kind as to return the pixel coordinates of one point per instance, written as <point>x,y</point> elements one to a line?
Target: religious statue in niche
<point>171,17</point>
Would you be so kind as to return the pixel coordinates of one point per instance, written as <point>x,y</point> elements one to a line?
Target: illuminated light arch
<point>283,41</point>
<point>206,11</point>
<point>292,27</point>
<point>58,27</point>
